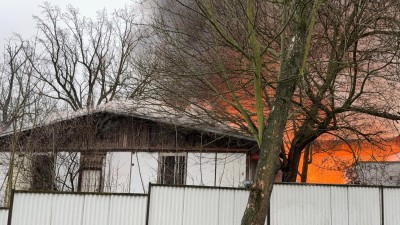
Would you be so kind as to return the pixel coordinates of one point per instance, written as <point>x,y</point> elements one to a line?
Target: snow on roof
<point>149,110</point>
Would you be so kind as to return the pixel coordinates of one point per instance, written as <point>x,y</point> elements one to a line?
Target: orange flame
<point>329,165</point>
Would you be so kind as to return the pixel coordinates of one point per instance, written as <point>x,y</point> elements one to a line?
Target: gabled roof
<point>148,110</point>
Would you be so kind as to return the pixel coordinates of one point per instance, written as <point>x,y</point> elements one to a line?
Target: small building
<point>122,146</point>
<point>375,173</point>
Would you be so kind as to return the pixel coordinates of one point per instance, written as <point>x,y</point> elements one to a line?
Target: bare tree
<point>263,67</point>
<point>348,91</point>
<point>17,83</point>
<point>85,62</point>
<point>222,56</point>
<point>17,96</point>
<point>73,60</point>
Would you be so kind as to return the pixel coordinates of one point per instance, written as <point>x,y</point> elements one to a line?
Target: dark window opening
<point>173,170</point>
<point>91,175</point>
<point>42,172</point>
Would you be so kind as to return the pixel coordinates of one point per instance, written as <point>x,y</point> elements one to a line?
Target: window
<point>42,171</point>
<point>91,181</point>
<point>252,160</point>
<point>91,176</point>
<point>172,168</point>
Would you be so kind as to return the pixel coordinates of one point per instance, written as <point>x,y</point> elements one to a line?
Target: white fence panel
<point>298,204</point>
<point>201,206</point>
<point>78,209</point>
<point>166,206</point>
<point>391,206</point>
<point>96,210</point>
<point>31,209</point>
<point>196,205</point>
<point>339,205</point>
<point>225,215</point>
<point>3,216</point>
<point>128,210</point>
<point>241,197</point>
<point>290,204</point>
<point>67,210</point>
<point>364,206</point>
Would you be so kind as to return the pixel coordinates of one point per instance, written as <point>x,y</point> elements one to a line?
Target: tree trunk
<point>291,71</point>
<point>306,161</point>
<point>269,163</point>
<point>291,169</point>
<point>270,147</point>
<point>306,134</point>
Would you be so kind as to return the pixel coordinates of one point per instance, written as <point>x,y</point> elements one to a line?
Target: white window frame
<point>92,179</point>
<point>161,169</point>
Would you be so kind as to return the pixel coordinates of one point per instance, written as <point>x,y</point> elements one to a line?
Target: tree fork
<point>270,146</point>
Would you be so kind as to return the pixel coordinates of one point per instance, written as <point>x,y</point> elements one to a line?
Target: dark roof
<point>148,110</point>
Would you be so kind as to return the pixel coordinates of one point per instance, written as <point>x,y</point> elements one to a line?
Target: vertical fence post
<point>348,206</point>
<point>148,204</point>
<point>382,206</point>
<point>10,209</point>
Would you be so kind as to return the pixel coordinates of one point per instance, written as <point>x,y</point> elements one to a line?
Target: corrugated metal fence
<point>77,209</point>
<point>325,205</point>
<point>290,204</point>
<point>195,205</point>
<point>3,216</point>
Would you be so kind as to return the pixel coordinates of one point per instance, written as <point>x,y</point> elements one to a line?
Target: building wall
<point>116,172</point>
<point>201,169</point>
<point>231,169</point>
<point>125,172</point>
<point>212,159</point>
<point>209,169</point>
<point>144,170</point>
<point>377,173</point>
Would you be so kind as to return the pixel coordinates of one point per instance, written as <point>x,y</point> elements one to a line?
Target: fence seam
<point>11,207</point>
<point>382,212</point>
<point>148,204</point>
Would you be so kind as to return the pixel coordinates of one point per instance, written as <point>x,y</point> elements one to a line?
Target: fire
<point>235,92</point>
<point>329,161</point>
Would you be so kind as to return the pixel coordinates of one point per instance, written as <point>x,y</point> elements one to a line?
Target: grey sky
<point>16,15</point>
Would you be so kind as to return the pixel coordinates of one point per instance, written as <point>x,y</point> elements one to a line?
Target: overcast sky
<point>16,15</point>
